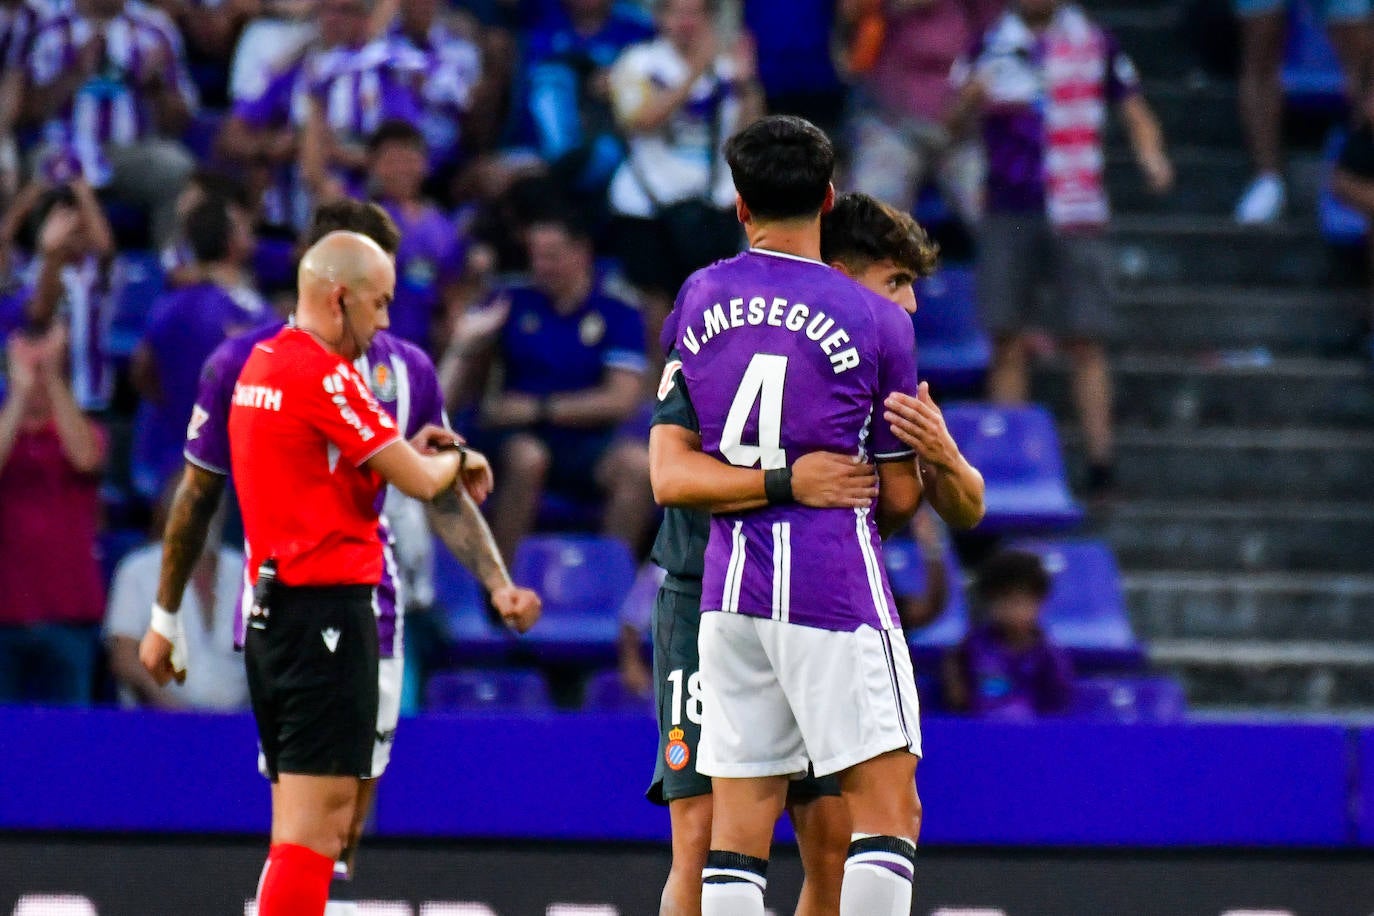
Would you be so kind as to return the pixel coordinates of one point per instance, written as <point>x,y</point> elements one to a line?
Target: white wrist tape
<point>170,627</point>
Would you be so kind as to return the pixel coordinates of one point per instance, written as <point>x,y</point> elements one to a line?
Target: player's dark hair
<point>568,222</point>
<point>213,183</point>
<point>1010,572</point>
<point>782,166</point>
<point>396,131</point>
<point>348,215</point>
<point>862,230</point>
<point>209,230</point>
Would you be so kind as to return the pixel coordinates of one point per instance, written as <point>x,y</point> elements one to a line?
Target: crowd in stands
<point>554,169</point>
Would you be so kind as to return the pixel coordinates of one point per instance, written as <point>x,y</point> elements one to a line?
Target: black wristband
<point>777,486</point>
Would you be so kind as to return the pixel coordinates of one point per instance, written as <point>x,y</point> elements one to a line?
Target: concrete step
<point>1194,250</point>
<point>1278,534</point>
<point>1294,675</point>
<point>1152,34</point>
<point>1205,317</point>
<point>1298,463</point>
<point>1208,181</point>
<point>1193,113</point>
<point>1184,393</point>
<point>1242,605</point>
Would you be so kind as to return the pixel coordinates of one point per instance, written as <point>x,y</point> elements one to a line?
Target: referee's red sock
<point>295,881</point>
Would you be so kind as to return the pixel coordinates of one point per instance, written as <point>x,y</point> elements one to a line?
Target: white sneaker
<point>1263,201</point>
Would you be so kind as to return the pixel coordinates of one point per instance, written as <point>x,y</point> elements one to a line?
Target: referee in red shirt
<point>312,452</point>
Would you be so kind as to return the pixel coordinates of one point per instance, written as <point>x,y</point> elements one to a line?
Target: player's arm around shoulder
<point>954,487</point>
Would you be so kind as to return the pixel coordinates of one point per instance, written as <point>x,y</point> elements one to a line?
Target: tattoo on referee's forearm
<point>458,522</point>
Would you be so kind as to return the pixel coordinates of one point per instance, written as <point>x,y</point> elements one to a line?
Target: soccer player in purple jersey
<point>404,380</point>
<point>785,356</point>
<point>883,250</point>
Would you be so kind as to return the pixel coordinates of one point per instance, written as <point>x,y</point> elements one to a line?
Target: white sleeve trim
<point>372,454</point>
<point>203,465</point>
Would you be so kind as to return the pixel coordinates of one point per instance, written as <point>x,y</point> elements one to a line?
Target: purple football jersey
<point>403,380</point>
<point>785,356</point>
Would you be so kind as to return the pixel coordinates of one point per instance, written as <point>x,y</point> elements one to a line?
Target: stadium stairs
<point>1244,518</point>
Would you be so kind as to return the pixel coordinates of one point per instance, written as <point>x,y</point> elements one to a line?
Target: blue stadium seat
<point>907,573</point>
<point>468,625</point>
<point>606,693</point>
<point>1340,223</point>
<point>1311,71</point>
<point>488,690</point>
<point>1017,450</point>
<point>1086,609</point>
<point>136,280</point>
<point>583,579</point>
<point>1130,699</point>
<point>951,347</point>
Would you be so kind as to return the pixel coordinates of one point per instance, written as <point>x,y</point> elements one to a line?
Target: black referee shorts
<point>312,676</point>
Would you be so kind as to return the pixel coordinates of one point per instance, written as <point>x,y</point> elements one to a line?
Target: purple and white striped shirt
<point>18,25</point>
<point>111,107</point>
<point>452,70</point>
<point>360,89</point>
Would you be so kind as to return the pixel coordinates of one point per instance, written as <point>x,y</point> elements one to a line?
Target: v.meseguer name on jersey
<point>759,312</point>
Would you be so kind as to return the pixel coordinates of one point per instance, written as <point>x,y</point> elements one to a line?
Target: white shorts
<point>778,698</point>
<point>390,675</point>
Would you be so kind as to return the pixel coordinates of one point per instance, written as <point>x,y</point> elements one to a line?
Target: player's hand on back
<point>919,423</point>
<point>519,607</point>
<point>826,480</point>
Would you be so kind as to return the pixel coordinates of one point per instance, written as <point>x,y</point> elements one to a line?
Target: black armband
<point>777,486</point>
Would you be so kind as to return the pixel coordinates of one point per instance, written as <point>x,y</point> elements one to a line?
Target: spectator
<point>1006,667</point>
<point>50,461</point>
<point>429,263</point>
<point>184,328</point>
<point>71,278</point>
<point>573,364</point>
<point>108,80</point>
<point>178,260</point>
<point>352,89</point>
<point>267,44</point>
<point>1263,28</point>
<point>568,59</point>
<point>211,29</point>
<point>215,679</point>
<point>678,100</point>
<point>453,79</point>
<point>795,63</point>
<point>1353,181</point>
<point>1045,63</point>
<point>896,126</point>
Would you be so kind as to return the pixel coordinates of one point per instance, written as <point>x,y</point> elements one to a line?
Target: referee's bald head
<point>346,284</point>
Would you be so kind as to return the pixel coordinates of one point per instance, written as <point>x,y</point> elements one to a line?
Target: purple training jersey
<point>785,356</point>
<point>403,380</point>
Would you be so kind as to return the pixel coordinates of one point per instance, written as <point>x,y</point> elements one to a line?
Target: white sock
<point>339,888</point>
<point>732,884</point>
<point>877,876</point>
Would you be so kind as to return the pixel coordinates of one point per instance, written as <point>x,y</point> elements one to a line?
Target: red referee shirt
<point>302,424</point>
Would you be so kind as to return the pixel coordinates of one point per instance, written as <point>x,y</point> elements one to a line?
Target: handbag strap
<point>713,141</point>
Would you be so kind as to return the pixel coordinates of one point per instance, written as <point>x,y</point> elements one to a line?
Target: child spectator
<point>1006,667</point>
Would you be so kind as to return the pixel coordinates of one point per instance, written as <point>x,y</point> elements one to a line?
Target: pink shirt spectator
<point>911,75</point>
<point>49,515</point>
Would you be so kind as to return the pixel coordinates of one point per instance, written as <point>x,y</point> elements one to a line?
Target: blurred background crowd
<point>554,170</point>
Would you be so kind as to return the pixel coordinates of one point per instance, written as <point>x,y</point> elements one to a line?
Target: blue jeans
<point>49,663</point>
